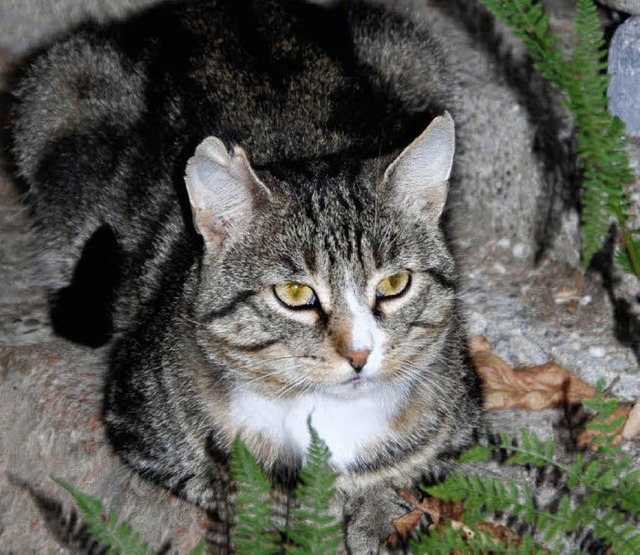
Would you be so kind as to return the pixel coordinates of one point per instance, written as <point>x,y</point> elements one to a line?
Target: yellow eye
<point>393,286</point>
<point>295,295</point>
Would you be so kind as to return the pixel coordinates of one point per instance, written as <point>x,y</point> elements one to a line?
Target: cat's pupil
<point>393,285</point>
<point>295,295</point>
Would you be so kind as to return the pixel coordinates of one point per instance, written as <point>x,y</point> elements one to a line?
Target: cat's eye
<point>295,295</point>
<point>393,285</point>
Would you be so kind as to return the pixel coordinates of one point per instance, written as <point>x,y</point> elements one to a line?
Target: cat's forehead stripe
<point>230,306</point>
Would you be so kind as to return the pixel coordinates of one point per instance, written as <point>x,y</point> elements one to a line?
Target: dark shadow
<point>7,162</point>
<point>82,311</point>
<point>554,150</point>
<point>10,75</point>
<point>63,523</point>
<point>552,145</point>
<point>626,320</point>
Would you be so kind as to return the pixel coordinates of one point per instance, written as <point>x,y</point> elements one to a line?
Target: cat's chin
<point>354,386</point>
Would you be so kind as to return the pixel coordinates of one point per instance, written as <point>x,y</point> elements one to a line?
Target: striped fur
<point>308,170</point>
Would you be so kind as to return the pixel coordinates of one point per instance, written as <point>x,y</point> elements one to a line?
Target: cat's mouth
<point>352,384</point>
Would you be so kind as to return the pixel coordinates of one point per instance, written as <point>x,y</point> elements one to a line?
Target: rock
<point>527,352</point>
<point>628,6</point>
<point>597,352</point>
<point>519,250</point>
<point>624,68</point>
<point>619,365</point>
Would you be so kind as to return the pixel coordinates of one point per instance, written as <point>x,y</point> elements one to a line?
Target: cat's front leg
<point>368,517</point>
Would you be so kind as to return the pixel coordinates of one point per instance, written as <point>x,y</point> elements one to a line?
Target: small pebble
<point>597,352</point>
<point>504,243</point>
<point>619,364</point>
<point>584,301</point>
<point>519,250</point>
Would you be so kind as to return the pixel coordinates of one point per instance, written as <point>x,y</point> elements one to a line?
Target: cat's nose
<point>357,359</point>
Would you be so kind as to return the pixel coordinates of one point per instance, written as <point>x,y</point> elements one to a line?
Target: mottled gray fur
<point>313,108</point>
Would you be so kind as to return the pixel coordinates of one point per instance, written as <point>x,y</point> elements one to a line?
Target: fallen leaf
<point>500,532</point>
<point>440,512</point>
<point>437,509</point>
<point>632,426</point>
<point>405,525</point>
<point>537,388</point>
<point>479,343</point>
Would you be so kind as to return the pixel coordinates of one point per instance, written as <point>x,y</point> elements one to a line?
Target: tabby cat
<point>246,197</point>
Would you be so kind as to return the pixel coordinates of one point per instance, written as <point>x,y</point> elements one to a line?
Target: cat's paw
<point>369,519</point>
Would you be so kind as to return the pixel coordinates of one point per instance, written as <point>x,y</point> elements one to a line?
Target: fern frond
<point>530,23</point>
<point>255,532</point>
<point>609,504</point>
<point>104,526</point>
<point>457,538</point>
<point>583,81</point>
<point>313,529</point>
<point>199,549</point>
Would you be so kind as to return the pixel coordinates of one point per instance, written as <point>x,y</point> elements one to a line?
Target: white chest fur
<point>345,424</point>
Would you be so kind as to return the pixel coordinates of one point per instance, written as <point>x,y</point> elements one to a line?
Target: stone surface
<point>26,24</point>
<point>50,399</point>
<point>624,68</point>
<point>628,6</point>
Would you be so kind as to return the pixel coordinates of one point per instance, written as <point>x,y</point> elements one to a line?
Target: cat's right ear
<point>224,192</point>
<point>418,179</point>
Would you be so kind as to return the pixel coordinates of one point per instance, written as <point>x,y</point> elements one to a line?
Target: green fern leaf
<point>313,528</point>
<point>199,549</point>
<point>478,453</point>
<point>600,137</point>
<point>254,533</point>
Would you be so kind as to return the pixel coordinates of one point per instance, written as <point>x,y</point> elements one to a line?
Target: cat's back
<point>108,116</point>
<point>284,79</point>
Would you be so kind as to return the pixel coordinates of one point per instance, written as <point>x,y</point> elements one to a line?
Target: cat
<point>247,197</point>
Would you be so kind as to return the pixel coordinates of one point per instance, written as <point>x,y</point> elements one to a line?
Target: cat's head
<point>325,276</point>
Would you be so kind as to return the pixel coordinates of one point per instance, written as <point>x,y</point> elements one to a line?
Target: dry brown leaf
<point>586,437</point>
<point>632,425</point>
<point>435,508</point>
<point>479,343</point>
<point>500,532</point>
<point>537,388</point>
<point>440,511</point>
<point>405,524</point>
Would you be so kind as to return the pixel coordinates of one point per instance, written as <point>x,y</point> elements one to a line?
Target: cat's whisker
<point>426,377</point>
<point>291,386</point>
<point>469,292</point>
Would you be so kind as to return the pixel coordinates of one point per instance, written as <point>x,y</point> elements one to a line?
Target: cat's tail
<point>76,104</point>
<point>76,86</point>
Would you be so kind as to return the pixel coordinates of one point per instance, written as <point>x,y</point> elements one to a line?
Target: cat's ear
<point>419,177</point>
<point>224,192</point>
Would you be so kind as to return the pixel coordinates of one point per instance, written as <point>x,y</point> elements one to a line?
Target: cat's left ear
<point>224,192</point>
<point>419,177</point>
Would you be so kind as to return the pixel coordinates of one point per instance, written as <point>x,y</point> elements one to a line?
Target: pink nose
<point>357,359</point>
